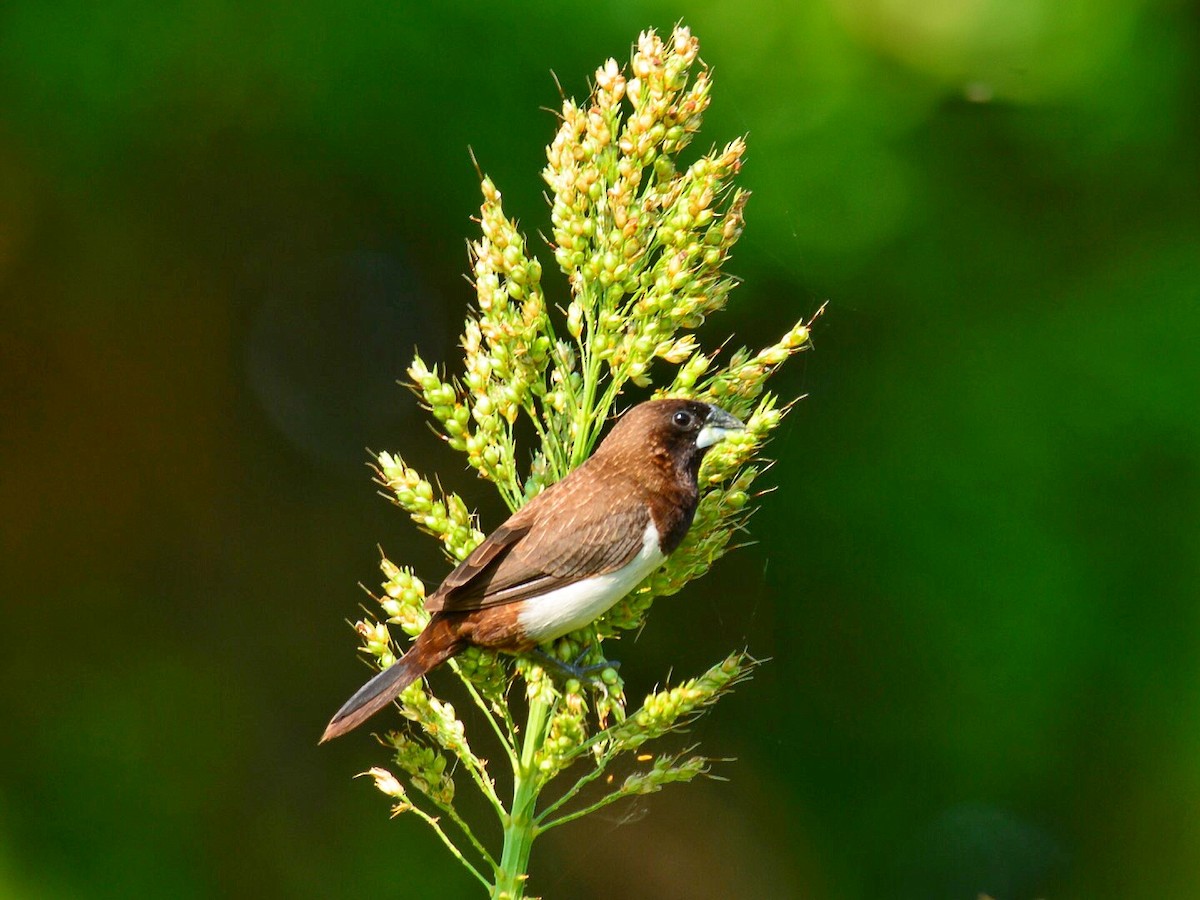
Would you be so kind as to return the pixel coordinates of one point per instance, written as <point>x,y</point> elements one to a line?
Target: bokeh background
<point>224,228</point>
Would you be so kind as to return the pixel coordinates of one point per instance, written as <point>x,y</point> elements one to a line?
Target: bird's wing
<point>576,529</point>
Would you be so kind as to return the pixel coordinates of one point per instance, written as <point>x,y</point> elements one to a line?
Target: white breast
<point>553,614</point>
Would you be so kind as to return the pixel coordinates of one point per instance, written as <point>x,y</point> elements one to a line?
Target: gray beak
<point>717,427</point>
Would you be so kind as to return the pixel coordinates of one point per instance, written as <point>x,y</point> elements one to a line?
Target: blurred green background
<point>225,227</point>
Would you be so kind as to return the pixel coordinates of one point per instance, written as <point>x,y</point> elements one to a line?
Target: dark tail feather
<point>387,685</point>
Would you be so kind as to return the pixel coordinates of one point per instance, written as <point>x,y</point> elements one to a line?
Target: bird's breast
<point>556,612</point>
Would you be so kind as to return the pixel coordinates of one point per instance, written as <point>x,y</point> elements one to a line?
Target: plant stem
<point>580,813</point>
<point>519,826</point>
<point>432,822</point>
<point>507,742</point>
<point>582,782</point>
<point>589,362</point>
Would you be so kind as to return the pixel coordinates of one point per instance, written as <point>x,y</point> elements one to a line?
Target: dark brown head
<point>679,430</point>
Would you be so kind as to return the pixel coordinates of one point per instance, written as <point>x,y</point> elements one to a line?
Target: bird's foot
<point>595,672</point>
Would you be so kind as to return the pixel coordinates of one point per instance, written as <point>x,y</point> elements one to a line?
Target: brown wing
<point>582,526</point>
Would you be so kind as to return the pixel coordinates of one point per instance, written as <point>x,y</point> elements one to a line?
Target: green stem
<point>505,741</point>
<point>458,820</point>
<point>573,790</point>
<point>590,363</point>
<point>432,822</point>
<point>519,826</point>
<point>587,810</point>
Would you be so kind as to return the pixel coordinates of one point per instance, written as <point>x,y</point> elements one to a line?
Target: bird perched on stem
<point>570,553</point>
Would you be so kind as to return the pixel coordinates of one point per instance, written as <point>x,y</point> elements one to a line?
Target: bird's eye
<point>682,418</point>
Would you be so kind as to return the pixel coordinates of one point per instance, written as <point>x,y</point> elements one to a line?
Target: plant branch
<point>433,823</point>
<point>573,791</point>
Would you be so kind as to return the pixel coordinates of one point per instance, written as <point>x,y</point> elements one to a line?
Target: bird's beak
<point>718,426</point>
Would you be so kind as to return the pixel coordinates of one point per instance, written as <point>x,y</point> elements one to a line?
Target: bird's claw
<point>590,673</point>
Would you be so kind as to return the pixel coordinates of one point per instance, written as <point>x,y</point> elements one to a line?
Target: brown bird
<point>570,553</point>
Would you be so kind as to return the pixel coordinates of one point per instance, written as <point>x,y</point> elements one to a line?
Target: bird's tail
<point>433,647</point>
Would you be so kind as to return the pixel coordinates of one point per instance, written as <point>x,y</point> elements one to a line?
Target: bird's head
<point>683,430</point>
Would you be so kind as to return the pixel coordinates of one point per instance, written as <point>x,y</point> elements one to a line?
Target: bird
<point>570,553</point>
